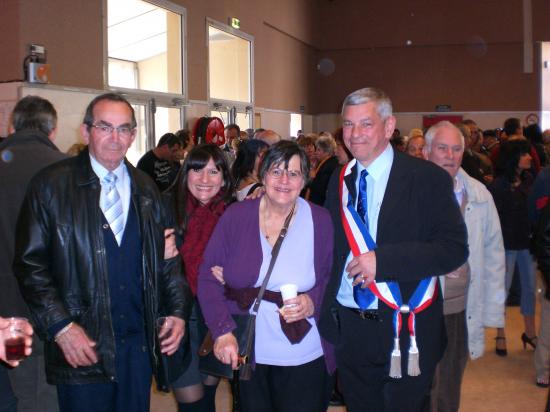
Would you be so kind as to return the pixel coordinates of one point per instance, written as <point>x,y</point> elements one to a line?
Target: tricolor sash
<point>360,241</point>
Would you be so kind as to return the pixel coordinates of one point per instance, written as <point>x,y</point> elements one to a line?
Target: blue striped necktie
<point>362,205</point>
<point>363,297</point>
<point>111,205</point>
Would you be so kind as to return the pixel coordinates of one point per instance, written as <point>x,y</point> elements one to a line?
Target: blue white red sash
<point>360,241</point>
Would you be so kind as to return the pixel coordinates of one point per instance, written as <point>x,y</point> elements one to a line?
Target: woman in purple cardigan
<point>287,376</point>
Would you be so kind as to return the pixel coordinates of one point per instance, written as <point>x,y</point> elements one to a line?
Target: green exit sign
<point>235,23</point>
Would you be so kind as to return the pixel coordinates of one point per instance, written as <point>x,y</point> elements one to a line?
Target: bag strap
<point>274,254</point>
<point>253,187</point>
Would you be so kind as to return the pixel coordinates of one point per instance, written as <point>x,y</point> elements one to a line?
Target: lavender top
<point>236,245</point>
<point>294,265</point>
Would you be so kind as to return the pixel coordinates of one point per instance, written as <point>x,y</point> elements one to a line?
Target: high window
<point>145,59</point>
<point>230,74</point>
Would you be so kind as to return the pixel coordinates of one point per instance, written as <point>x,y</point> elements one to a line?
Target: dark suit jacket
<point>421,233</point>
<point>319,185</point>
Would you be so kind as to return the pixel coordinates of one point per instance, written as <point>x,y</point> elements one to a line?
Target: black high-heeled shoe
<point>498,351</point>
<point>528,341</point>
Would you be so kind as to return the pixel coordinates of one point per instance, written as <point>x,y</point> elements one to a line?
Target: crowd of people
<point>400,251</point>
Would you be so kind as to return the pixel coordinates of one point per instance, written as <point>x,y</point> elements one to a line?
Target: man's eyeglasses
<point>293,175</point>
<point>105,130</point>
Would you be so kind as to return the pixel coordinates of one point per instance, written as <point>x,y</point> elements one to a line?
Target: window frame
<point>165,97</point>
<point>216,104</point>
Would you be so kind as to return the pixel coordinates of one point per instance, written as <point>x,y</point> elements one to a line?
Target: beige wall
<point>152,73</point>
<point>467,54</point>
<point>74,40</point>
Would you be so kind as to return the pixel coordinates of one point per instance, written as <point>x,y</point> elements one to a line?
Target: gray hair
<point>432,131</point>
<point>326,143</point>
<point>370,94</point>
<point>35,113</point>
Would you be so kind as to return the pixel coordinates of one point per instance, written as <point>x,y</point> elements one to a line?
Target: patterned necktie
<point>362,205</point>
<point>111,205</point>
<point>363,297</point>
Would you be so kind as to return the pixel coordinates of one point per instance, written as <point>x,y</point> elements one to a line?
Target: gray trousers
<point>450,370</point>
<point>28,380</point>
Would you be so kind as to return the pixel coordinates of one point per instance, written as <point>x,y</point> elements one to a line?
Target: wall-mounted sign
<point>443,108</point>
<point>235,22</point>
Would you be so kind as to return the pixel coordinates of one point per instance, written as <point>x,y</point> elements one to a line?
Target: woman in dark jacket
<point>510,190</point>
<point>199,196</point>
<point>245,167</point>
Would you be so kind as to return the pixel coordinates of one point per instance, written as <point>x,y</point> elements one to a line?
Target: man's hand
<point>77,347</point>
<point>226,349</point>
<point>362,269</point>
<point>170,249</point>
<point>297,308</point>
<point>5,334</point>
<point>170,335</point>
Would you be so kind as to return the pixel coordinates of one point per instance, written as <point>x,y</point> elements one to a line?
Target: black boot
<point>206,404</point>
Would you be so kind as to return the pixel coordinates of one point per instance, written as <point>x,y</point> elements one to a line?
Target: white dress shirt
<point>377,180</point>
<point>122,184</point>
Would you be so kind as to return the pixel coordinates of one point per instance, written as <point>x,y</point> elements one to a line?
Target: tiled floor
<point>491,384</point>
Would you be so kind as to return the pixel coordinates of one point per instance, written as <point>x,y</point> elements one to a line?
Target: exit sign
<point>235,22</point>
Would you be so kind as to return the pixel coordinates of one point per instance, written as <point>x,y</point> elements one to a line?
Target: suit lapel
<point>350,182</point>
<point>398,181</point>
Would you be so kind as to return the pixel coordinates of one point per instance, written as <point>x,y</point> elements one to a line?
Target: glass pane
<point>224,116</point>
<point>149,38</point>
<point>295,124</point>
<point>139,147</point>
<point>243,121</point>
<point>229,66</point>
<point>167,120</point>
<point>123,73</point>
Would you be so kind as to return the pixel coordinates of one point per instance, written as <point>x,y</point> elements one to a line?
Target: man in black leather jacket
<point>96,286</point>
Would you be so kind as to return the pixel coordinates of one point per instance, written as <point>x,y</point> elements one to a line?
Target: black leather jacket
<point>60,263</point>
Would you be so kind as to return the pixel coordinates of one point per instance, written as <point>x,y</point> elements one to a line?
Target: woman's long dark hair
<point>508,159</point>
<point>197,159</point>
<point>246,158</point>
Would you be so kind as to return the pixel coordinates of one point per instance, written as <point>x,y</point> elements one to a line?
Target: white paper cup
<point>289,291</point>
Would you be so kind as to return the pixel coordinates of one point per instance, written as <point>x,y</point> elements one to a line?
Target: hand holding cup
<point>170,331</point>
<point>288,291</point>
<point>15,340</point>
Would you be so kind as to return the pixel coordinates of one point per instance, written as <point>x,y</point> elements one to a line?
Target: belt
<point>369,314</point>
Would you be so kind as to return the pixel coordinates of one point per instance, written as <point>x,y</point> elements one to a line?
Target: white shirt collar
<point>379,165</point>
<point>101,171</point>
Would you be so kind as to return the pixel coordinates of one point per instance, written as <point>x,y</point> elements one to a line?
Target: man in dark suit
<point>397,224</point>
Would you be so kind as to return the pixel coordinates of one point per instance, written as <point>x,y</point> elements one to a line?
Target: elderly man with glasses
<point>90,261</point>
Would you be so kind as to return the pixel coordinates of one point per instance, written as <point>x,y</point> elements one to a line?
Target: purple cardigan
<point>237,233</point>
